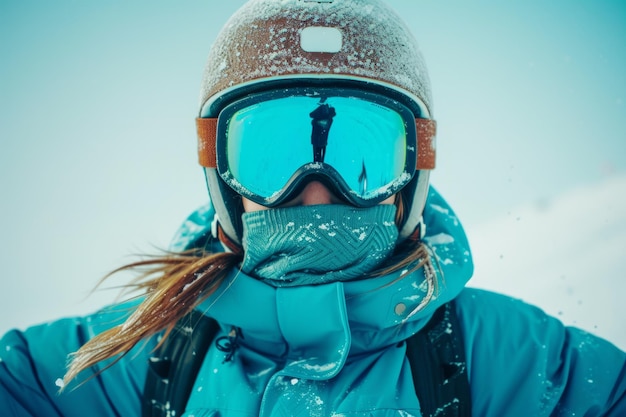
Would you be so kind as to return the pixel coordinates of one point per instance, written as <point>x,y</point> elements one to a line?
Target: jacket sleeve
<point>33,362</point>
<point>524,362</point>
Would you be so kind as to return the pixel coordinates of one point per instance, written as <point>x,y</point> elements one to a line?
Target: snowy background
<point>97,144</point>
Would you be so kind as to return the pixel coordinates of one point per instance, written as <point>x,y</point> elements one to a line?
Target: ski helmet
<point>271,44</point>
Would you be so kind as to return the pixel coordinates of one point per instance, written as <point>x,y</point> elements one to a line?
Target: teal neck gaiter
<point>308,245</point>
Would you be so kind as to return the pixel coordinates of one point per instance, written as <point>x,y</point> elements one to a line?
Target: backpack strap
<point>173,369</point>
<point>438,365</point>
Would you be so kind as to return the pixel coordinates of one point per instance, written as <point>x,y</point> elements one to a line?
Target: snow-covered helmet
<point>271,44</point>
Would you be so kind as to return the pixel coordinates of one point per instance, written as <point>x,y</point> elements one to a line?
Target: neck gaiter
<point>308,245</point>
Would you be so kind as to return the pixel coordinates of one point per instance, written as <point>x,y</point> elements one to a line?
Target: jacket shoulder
<point>522,361</point>
<point>33,362</point>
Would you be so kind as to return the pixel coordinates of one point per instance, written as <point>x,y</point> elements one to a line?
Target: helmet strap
<point>228,242</point>
<point>419,232</point>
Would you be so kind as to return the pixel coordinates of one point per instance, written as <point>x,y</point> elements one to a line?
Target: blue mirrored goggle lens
<point>267,142</point>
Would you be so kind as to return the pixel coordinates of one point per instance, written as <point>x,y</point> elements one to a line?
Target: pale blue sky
<point>97,100</point>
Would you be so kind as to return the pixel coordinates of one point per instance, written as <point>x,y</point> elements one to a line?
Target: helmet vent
<point>321,39</point>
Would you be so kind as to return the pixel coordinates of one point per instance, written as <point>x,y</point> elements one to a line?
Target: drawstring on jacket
<point>229,344</point>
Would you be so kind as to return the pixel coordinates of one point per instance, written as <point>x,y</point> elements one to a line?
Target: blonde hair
<point>176,283</point>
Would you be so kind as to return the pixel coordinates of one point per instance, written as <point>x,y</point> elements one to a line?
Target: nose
<point>316,193</point>
<point>313,193</point>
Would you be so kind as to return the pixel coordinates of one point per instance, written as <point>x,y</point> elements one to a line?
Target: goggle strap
<point>207,150</point>
<point>426,143</point>
<point>207,134</point>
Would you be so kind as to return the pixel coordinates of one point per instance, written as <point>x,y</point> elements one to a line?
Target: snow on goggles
<point>365,146</point>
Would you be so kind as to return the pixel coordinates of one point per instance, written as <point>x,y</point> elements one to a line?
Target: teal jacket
<point>334,349</point>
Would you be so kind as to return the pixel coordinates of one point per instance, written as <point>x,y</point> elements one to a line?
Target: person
<point>315,281</point>
<point>322,121</point>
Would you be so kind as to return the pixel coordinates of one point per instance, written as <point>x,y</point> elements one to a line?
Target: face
<point>314,193</point>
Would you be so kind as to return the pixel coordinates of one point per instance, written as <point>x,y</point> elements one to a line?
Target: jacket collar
<point>315,329</point>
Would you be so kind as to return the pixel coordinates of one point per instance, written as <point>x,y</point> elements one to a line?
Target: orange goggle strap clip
<point>426,133</point>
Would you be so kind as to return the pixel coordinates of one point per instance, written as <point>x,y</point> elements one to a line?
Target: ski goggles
<point>365,146</point>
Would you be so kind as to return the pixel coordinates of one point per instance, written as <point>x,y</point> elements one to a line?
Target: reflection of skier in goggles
<point>322,121</point>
